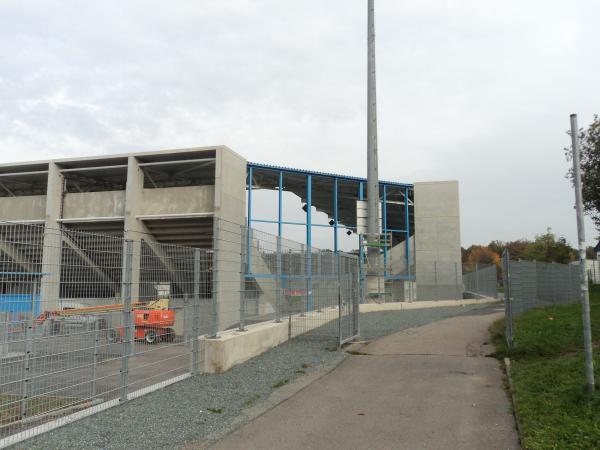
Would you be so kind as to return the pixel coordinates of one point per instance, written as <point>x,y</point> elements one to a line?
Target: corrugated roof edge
<point>325,174</point>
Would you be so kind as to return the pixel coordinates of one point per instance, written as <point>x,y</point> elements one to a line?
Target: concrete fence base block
<point>374,307</point>
<point>234,347</point>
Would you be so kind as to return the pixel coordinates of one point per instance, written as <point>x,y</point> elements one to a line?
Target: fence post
<point>244,235</point>
<point>278,282</point>
<point>196,310</point>
<point>508,313</point>
<point>584,289</point>
<point>95,357</point>
<point>215,280</point>
<point>339,292</point>
<point>28,366</point>
<point>435,277</point>
<point>126,316</point>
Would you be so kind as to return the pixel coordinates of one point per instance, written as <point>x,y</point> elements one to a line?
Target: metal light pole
<point>372,166</point>
<point>585,295</point>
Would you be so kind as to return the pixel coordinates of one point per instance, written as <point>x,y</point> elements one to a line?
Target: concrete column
<point>230,207</point>
<point>437,240</point>
<point>133,228</point>
<point>51,257</point>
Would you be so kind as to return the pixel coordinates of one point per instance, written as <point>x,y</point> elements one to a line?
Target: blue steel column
<point>384,213</point>
<point>335,215</point>
<point>309,299</point>
<point>249,233</point>
<point>279,213</point>
<point>407,231</point>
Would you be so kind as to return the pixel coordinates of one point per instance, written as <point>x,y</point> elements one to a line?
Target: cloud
<point>467,90</point>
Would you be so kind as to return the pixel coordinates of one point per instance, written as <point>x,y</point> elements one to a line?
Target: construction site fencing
<point>268,277</point>
<point>480,280</point>
<point>88,319</point>
<point>534,284</point>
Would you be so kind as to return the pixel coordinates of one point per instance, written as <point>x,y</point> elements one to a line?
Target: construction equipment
<point>153,320</point>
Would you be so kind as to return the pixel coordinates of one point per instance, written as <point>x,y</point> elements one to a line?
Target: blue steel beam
<point>407,228</point>
<point>384,213</point>
<point>309,299</point>
<point>335,215</point>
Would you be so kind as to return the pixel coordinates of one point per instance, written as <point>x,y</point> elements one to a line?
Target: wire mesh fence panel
<point>536,284</point>
<point>68,337</point>
<point>87,318</point>
<point>480,280</point>
<point>272,278</point>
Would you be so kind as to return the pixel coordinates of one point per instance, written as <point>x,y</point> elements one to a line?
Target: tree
<point>478,254</point>
<point>547,247</point>
<point>517,248</point>
<point>589,141</point>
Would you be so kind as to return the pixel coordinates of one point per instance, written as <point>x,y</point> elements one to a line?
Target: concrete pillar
<point>133,228</point>
<point>230,207</point>
<point>51,257</point>
<point>437,241</point>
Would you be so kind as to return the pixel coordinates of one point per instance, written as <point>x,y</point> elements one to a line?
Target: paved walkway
<point>425,388</point>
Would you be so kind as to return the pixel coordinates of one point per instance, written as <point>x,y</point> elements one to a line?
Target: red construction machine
<point>153,321</point>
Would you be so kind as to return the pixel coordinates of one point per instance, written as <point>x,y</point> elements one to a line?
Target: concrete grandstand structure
<point>175,196</point>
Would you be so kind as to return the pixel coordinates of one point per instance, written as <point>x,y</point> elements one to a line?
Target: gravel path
<point>206,404</point>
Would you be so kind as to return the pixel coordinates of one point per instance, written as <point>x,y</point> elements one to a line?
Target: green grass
<point>281,383</point>
<point>548,376</point>
<point>215,410</point>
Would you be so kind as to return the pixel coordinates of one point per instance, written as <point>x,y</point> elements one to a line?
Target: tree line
<point>545,247</point>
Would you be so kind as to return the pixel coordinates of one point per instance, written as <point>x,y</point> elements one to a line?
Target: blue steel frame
<point>383,185</point>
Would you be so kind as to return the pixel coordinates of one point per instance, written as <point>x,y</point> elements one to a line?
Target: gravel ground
<point>206,404</point>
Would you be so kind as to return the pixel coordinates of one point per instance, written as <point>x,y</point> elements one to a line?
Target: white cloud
<point>469,90</point>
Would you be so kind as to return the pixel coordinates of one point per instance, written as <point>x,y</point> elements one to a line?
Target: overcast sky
<point>472,90</point>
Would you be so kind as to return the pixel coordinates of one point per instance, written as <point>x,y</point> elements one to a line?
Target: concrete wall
<point>437,240</point>
<point>178,200</point>
<point>230,212</point>
<point>31,207</point>
<point>94,204</point>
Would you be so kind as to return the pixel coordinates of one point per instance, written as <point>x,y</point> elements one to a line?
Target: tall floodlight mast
<point>373,280</point>
<point>372,166</point>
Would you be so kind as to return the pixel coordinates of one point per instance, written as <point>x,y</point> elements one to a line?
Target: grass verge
<point>548,376</point>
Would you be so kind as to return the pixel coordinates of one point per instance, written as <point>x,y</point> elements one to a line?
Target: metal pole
<point>585,295</point>
<point>372,160</point>
<point>215,277</point>
<point>372,165</point>
<point>243,273</point>
<point>126,316</point>
<point>196,315</point>
<point>95,356</point>
<point>508,313</point>
<point>278,286</point>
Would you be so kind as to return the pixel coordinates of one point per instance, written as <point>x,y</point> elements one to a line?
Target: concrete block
<point>234,347</point>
